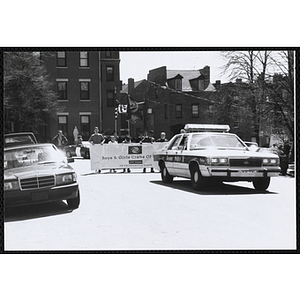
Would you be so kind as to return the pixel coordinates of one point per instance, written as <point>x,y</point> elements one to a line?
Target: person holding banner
<point>162,137</point>
<point>127,141</point>
<point>113,140</point>
<point>148,139</point>
<point>97,138</point>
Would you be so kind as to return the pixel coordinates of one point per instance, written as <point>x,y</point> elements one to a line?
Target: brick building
<point>88,83</point>
<point>171,99</point>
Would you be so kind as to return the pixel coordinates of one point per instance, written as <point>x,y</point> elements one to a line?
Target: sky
<point>136,65</point>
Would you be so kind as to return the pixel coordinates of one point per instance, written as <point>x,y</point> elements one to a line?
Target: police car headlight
<point>218,161</point>
<point>271,161</point>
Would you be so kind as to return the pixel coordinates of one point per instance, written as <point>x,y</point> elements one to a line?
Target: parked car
<point>209,153</point>
<point>291,170</point>
<point>19,138</point>
<point>38,173</point>
<point>70,150</point>
<point>283,159</point>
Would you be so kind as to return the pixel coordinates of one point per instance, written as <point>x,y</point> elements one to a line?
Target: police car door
<point>171,152</point>
<point>180,168</point>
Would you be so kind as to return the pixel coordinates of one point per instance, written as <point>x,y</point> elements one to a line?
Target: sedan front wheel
<point>74,202</point>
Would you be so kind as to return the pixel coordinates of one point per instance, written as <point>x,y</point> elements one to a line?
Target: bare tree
<point>259,69</point>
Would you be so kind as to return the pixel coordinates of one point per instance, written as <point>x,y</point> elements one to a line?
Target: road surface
<point>136,211</point>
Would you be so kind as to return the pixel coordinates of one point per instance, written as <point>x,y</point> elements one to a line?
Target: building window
<point>178,111</point>
<point>84,90</point>
<point>236,124</point>
<point>61,59</point>
<point>62,90</point>
<point>195,110</point>
<point>166,111</point>
<point>201,84</point>
<point>63,124</point>
<point>85,127</point>
<point>178,84</point>
<point>107,54</point>
<point>84,59</point>
<point>110,99</point>
<point>110,73</point>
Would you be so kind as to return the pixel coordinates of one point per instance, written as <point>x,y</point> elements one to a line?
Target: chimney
<point>130,86</point>
<point>206,72</point>
<point>238,80</point>
<point>218,83</point>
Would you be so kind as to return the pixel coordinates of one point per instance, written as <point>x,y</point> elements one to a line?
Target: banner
<point>123,156</point>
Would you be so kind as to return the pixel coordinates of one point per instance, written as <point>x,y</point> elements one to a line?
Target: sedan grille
<point>37,182</point>
<point>246,162</point>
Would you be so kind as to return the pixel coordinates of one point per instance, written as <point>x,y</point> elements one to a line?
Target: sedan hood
<point>34,170</point>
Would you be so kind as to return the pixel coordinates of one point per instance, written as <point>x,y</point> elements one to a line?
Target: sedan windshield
<point>200,141</point>
<point>21,157</point>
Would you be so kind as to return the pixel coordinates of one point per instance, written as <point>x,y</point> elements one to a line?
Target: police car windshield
<point>223,141</point>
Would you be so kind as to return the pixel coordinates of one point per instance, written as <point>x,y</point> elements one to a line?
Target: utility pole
<point>100,96</point>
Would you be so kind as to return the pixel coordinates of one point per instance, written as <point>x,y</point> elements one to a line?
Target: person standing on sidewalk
<point>78,146</point>
<point>60,140</point>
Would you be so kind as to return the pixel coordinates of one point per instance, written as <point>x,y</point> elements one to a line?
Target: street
<point>136,211</point>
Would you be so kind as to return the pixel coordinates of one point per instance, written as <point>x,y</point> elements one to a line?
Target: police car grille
<point>245,162</point>
<point>37,182</point>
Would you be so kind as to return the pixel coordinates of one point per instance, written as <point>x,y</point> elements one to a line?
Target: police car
<point>207,153</point>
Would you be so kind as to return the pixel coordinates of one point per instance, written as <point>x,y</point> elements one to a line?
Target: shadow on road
<point>214,189</point>
<point>26,212</point>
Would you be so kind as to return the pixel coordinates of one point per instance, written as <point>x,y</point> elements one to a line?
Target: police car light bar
<point>206,127</point>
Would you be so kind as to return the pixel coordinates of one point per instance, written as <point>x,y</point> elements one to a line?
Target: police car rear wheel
<point>165,176</point>
<point>261,184</point>
<point>198,182</point>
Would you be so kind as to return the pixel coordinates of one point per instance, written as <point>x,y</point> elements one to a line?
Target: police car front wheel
<point>198,182</point>
<point>165,176</point>
<point>261,184</point>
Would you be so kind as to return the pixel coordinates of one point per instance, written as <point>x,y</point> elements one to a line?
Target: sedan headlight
<point>66,178</point>
<point>11,185</point>
<point>218,161</point>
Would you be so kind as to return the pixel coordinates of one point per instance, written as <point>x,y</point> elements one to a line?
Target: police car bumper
<point>240,173</point>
